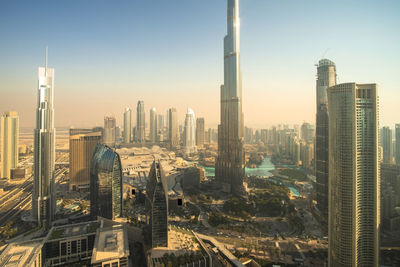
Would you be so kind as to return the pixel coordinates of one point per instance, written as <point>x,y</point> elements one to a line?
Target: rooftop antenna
<point>46,60</point>
<point>326,51</point>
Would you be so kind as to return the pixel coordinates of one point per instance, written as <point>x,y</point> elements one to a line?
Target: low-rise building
<point>27,254</point>
<point>111,247</point>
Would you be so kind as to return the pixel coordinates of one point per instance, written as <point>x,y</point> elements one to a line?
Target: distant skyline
<point>107,55</point>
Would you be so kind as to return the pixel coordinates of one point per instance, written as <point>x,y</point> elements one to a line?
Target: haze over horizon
<point>170,54</point>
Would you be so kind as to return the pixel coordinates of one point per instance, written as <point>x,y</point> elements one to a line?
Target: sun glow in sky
<point>108,55</point>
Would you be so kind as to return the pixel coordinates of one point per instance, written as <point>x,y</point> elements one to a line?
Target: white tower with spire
<point>229,167</point>
<point>43,197</point>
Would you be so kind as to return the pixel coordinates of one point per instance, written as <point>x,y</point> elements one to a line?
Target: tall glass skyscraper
<point>397,143</point>
<point>387,145</point>
<point>157,205</point>
<point>109,135</point>
<point>189,141</point>
<point>354,182</point>
<point>127,125</point>
<point>44,197</point>
<point>105,183</point>
<point>229,167</point>
<point>153,125</point>
<point>200,132</point>
<point>173,130</point>
<point>9,142</point>
<point>140,123</point>
<point>326,77</point>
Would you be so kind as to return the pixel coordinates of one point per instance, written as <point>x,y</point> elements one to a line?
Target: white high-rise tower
<point>354,184</point>
<point>9,142</point>
<point>127,125</point>
<point>189,141</point>
<point>43,197</point>
<point>229,167</point>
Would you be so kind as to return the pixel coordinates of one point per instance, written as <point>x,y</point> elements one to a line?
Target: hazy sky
<point>108,54</point>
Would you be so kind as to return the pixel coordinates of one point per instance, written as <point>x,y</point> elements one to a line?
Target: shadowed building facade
<point>326,77</point>
<point>354,183</point>
<point>127,125</point>
<point>387,145</point>
<point>157,205</point>
<point>9,142</point>
<point>230,163</point>
<point>81,147</point>
<point>200,132</point>
<point>105,183</point>
<point>173,129</point>
<point>43,196</point>
<point>140,123</point>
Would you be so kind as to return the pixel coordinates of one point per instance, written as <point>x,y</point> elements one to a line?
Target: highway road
<point>19,198</point>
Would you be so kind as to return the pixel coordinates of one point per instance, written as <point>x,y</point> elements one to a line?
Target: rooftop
<point>110,243</point>
<point>72,230</point>
<point>21,254</point>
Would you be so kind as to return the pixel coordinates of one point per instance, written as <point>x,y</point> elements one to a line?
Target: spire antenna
<point>46,59</point>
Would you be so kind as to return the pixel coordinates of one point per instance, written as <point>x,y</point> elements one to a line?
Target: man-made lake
<point>263,171</point>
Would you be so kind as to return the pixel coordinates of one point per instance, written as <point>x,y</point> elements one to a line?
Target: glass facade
<point>105,183</point>
<point>157,204</point>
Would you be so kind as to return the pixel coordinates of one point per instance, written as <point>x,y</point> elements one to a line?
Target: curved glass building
<point>105,183</point>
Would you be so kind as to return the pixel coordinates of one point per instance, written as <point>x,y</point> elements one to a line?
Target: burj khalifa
<point>43,197</point>
<point>230,164</point>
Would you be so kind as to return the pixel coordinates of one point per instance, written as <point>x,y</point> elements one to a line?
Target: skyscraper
<point>200,132</point>
<point>9,142</point>
<point>105,183</point>
<point>153,125</point>
<point>157,205</point>
<point>326,77</point>
<point>354,194</point>
<point>173,130</point>
<point>397,144</point>
<point>81,147</point>
<point>229,167</point>
<point>387,145</point>
<point>43,197</point>
<point>140,123</point>
<point>189,141</point>
<point>127,125</point>
<point>109,131</point>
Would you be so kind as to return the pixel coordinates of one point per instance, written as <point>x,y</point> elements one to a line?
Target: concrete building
<point>127,126</point>
<point>354,193</point>
<point>27,254</point>
<point>109,136</point>
<point>189,140</point>
<point>81,147</point>
<point>69,244</point>
<point>397,144</point>
<point>173,129</point>
<point>140,123</point>
<point>9,142</point>
<point>326,77</point>
<point>230,163</point>
<point>111,247</point>
<point>387,145</point>
<point>105,183</point>
<point>157,205</point>
<point>200,132</point>
<point>390,187</point>
<point>43,196</point>
<point>153,125</point>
